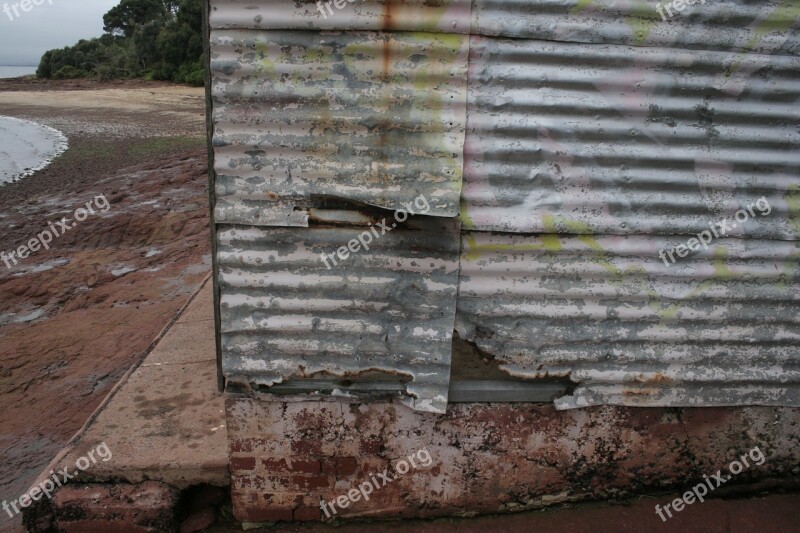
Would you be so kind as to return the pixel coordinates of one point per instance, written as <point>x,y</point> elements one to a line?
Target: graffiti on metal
<point>577,142</point>
<point>374,118</point>
<point>609,314</point>
<point>574,138</point>
<point>767,27</point>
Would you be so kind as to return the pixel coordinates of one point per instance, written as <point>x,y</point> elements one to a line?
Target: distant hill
<point>153,39</point>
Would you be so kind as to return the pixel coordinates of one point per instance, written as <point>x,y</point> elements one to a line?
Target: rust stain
<point>383,140</point>
<point>659,378</point>
<point>388,26</point>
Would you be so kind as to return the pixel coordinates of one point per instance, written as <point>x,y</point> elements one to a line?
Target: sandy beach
<point>75,317</point>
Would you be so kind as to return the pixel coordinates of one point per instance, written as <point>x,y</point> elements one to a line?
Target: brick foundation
<point>100,508</point>
<point>288,456</point>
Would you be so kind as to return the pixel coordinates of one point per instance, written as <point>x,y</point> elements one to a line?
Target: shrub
<point>69,72</point>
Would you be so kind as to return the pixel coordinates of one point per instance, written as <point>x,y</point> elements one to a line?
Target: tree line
<point>152,39</point>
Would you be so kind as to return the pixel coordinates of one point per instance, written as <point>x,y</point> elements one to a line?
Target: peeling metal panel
<point>593,134</point>
<point>390,309</point>
<point>374,118</point>
<point>763,27</point>
<point>445,16</point>
<point>684,395</point>
<point>601,139</point>
<point>721,327</point>
<point>321,124</point>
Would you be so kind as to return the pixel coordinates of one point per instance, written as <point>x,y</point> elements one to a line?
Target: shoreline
<point>61,145</point>
<point>108,125</point>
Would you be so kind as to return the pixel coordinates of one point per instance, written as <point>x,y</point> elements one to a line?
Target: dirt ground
<point>75,317</point>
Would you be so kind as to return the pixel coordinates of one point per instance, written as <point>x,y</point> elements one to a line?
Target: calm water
<point>13,72</point>
<point>26,147</point>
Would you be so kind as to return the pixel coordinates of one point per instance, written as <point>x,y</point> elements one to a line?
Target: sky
<point>53,24</point>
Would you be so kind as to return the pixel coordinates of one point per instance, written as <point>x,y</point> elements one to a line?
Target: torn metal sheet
<point>684,395</point>
<point>719,327</point>
<point>600,139</point>
<point>374,118</point>
<point>389,309</point>
<point>445,16</point>
<point>764,27</point>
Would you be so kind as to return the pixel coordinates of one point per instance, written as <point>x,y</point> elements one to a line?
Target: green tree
<point>145,41</point>
<point>124,18</point>
<point>158,38</point>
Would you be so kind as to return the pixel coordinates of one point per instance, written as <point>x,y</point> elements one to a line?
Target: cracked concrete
<point>166,421</point>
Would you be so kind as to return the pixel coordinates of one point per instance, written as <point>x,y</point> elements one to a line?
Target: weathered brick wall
<point>288,456</point>
<point>148,507</point>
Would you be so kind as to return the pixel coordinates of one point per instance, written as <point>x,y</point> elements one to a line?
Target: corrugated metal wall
<point>574,141</point>
<point>314,130</point>
<point>608,139</point>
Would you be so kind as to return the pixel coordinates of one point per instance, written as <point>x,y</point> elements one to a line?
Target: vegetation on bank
<point>152,39</point>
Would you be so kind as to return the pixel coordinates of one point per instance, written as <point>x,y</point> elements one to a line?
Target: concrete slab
<point>187,342</point>
<point>202,309</point>
<point>166,421</point>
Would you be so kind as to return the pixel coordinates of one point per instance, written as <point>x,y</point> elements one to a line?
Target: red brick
<point>311,482</point>
<point>346,466</point>
<point>307,467</point>
<point>308,448</point>
<point>275,466</point>
<point>283,466</point>
<point>487,456</point>
<point>242,463</point>
<point>328,466</point>
<point>305,514</point>
<point>241,445</point>
<point>148,506</point>
<point>246,480</point>
<point>371,447</point>
<point>255,514</point>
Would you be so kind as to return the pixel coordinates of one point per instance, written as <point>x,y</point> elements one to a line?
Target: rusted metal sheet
<point>373,118</point>
<point>445,16</point>
<point>720,327</point>
<point>602,139</point>
<point>594,135</point>
<point>764,27</point>
<point>388,310</point>
<point>316,130</point>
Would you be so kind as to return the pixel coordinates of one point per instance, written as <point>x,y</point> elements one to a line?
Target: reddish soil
<point>30,83</point>
<point>75,318</point>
